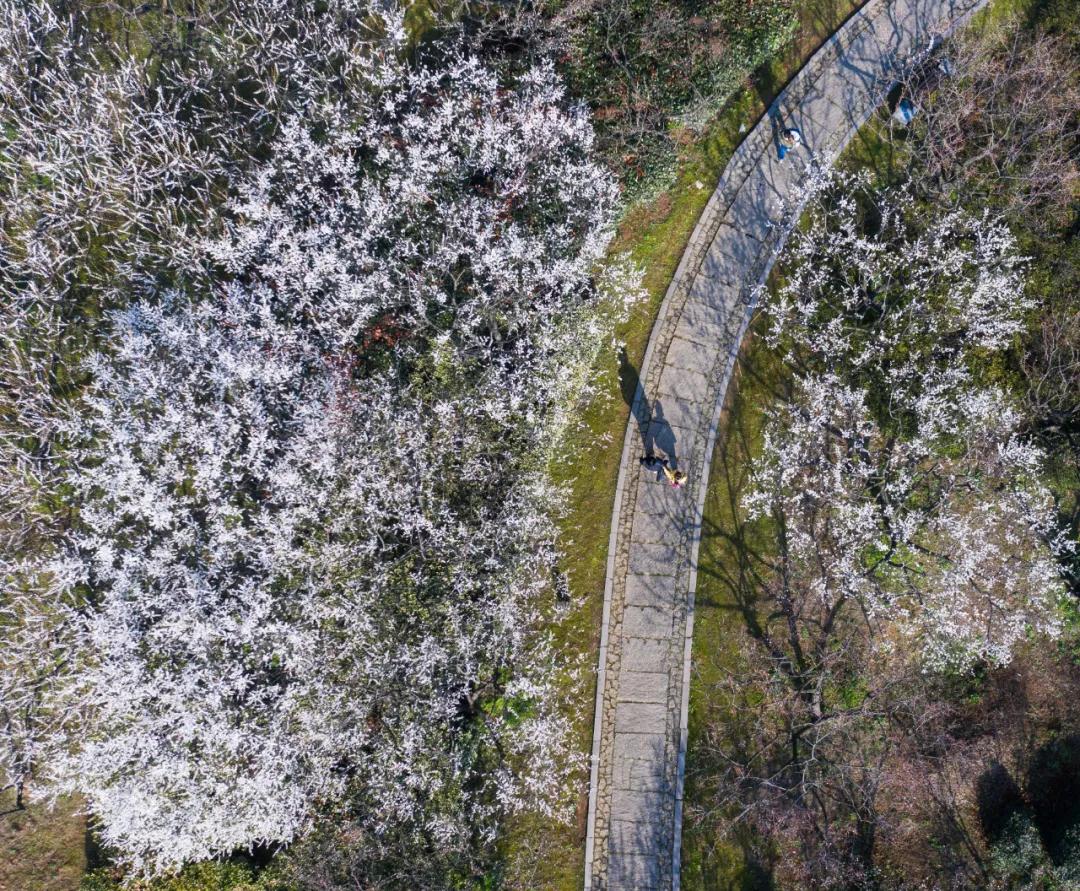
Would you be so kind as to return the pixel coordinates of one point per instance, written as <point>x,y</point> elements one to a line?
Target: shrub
<point>1017,855</point>
<point>648,67</point>
<point>208,876</point>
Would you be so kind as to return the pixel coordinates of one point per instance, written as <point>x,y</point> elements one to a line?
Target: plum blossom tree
<point>901,481</point>
<point>282,545</point>
<point>105,185</point>
<point>947,541</point>
<point>314,540</point>
<point>894,529</point>
<point>99,180</point>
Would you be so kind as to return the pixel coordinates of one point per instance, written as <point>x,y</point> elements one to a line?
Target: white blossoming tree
<point>901,480</point>
<point>309,540</point>
<point>893,533</point>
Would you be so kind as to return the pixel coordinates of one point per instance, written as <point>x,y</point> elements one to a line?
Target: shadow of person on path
<point>662,436</point>
<point>775,128</point>
<point>633,394</point>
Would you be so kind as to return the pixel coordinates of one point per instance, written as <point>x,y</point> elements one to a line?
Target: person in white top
<point>789,139</point>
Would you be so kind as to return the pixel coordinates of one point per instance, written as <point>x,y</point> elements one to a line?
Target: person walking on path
<point>676,477</point>
<point>789,139</point>
<point>661,465</point>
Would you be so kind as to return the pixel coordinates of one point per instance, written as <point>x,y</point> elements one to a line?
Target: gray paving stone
<point>709,304</point>
<point>730,255</point>
<point>645,654</point>
<point>650,590</point>
<point>637,871</point>
<point>825,115</point>
<point>682,414</point>
<point>639,775</point>
<point>783,176</point>
<point>643,686</point>
<point>660,528</point>
<point>632,885</point>
<point>757,207</point>
<point>649,558</point>
<point>692,385</point>
<point>637,807</point>
<point>710,335</point>
<point>649,776</point>
<point>640,717</point>
<point>646,621</point>
<point>693,356</point>
<point>640,747</point>
<point>656,497</point>
<point>628,838</point>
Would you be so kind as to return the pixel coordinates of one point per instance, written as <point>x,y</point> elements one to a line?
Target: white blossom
<point>312,542</point>
<point>902,483</point>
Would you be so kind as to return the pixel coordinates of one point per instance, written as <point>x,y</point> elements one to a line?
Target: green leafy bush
<point>1066,855</point>
<point>208,876</point>
<point>650,69</point>
<point>1017,853</point>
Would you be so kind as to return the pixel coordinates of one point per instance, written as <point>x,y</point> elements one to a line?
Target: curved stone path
<point>639,731</point>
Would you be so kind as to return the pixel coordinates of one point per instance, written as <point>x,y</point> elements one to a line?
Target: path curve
<point>639,730</point>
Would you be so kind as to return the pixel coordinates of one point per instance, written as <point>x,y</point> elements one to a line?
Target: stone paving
<point>639,732</point>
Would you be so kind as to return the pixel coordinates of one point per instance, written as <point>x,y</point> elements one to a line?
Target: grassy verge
<point>41,849</point>
<point>544,854</point>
